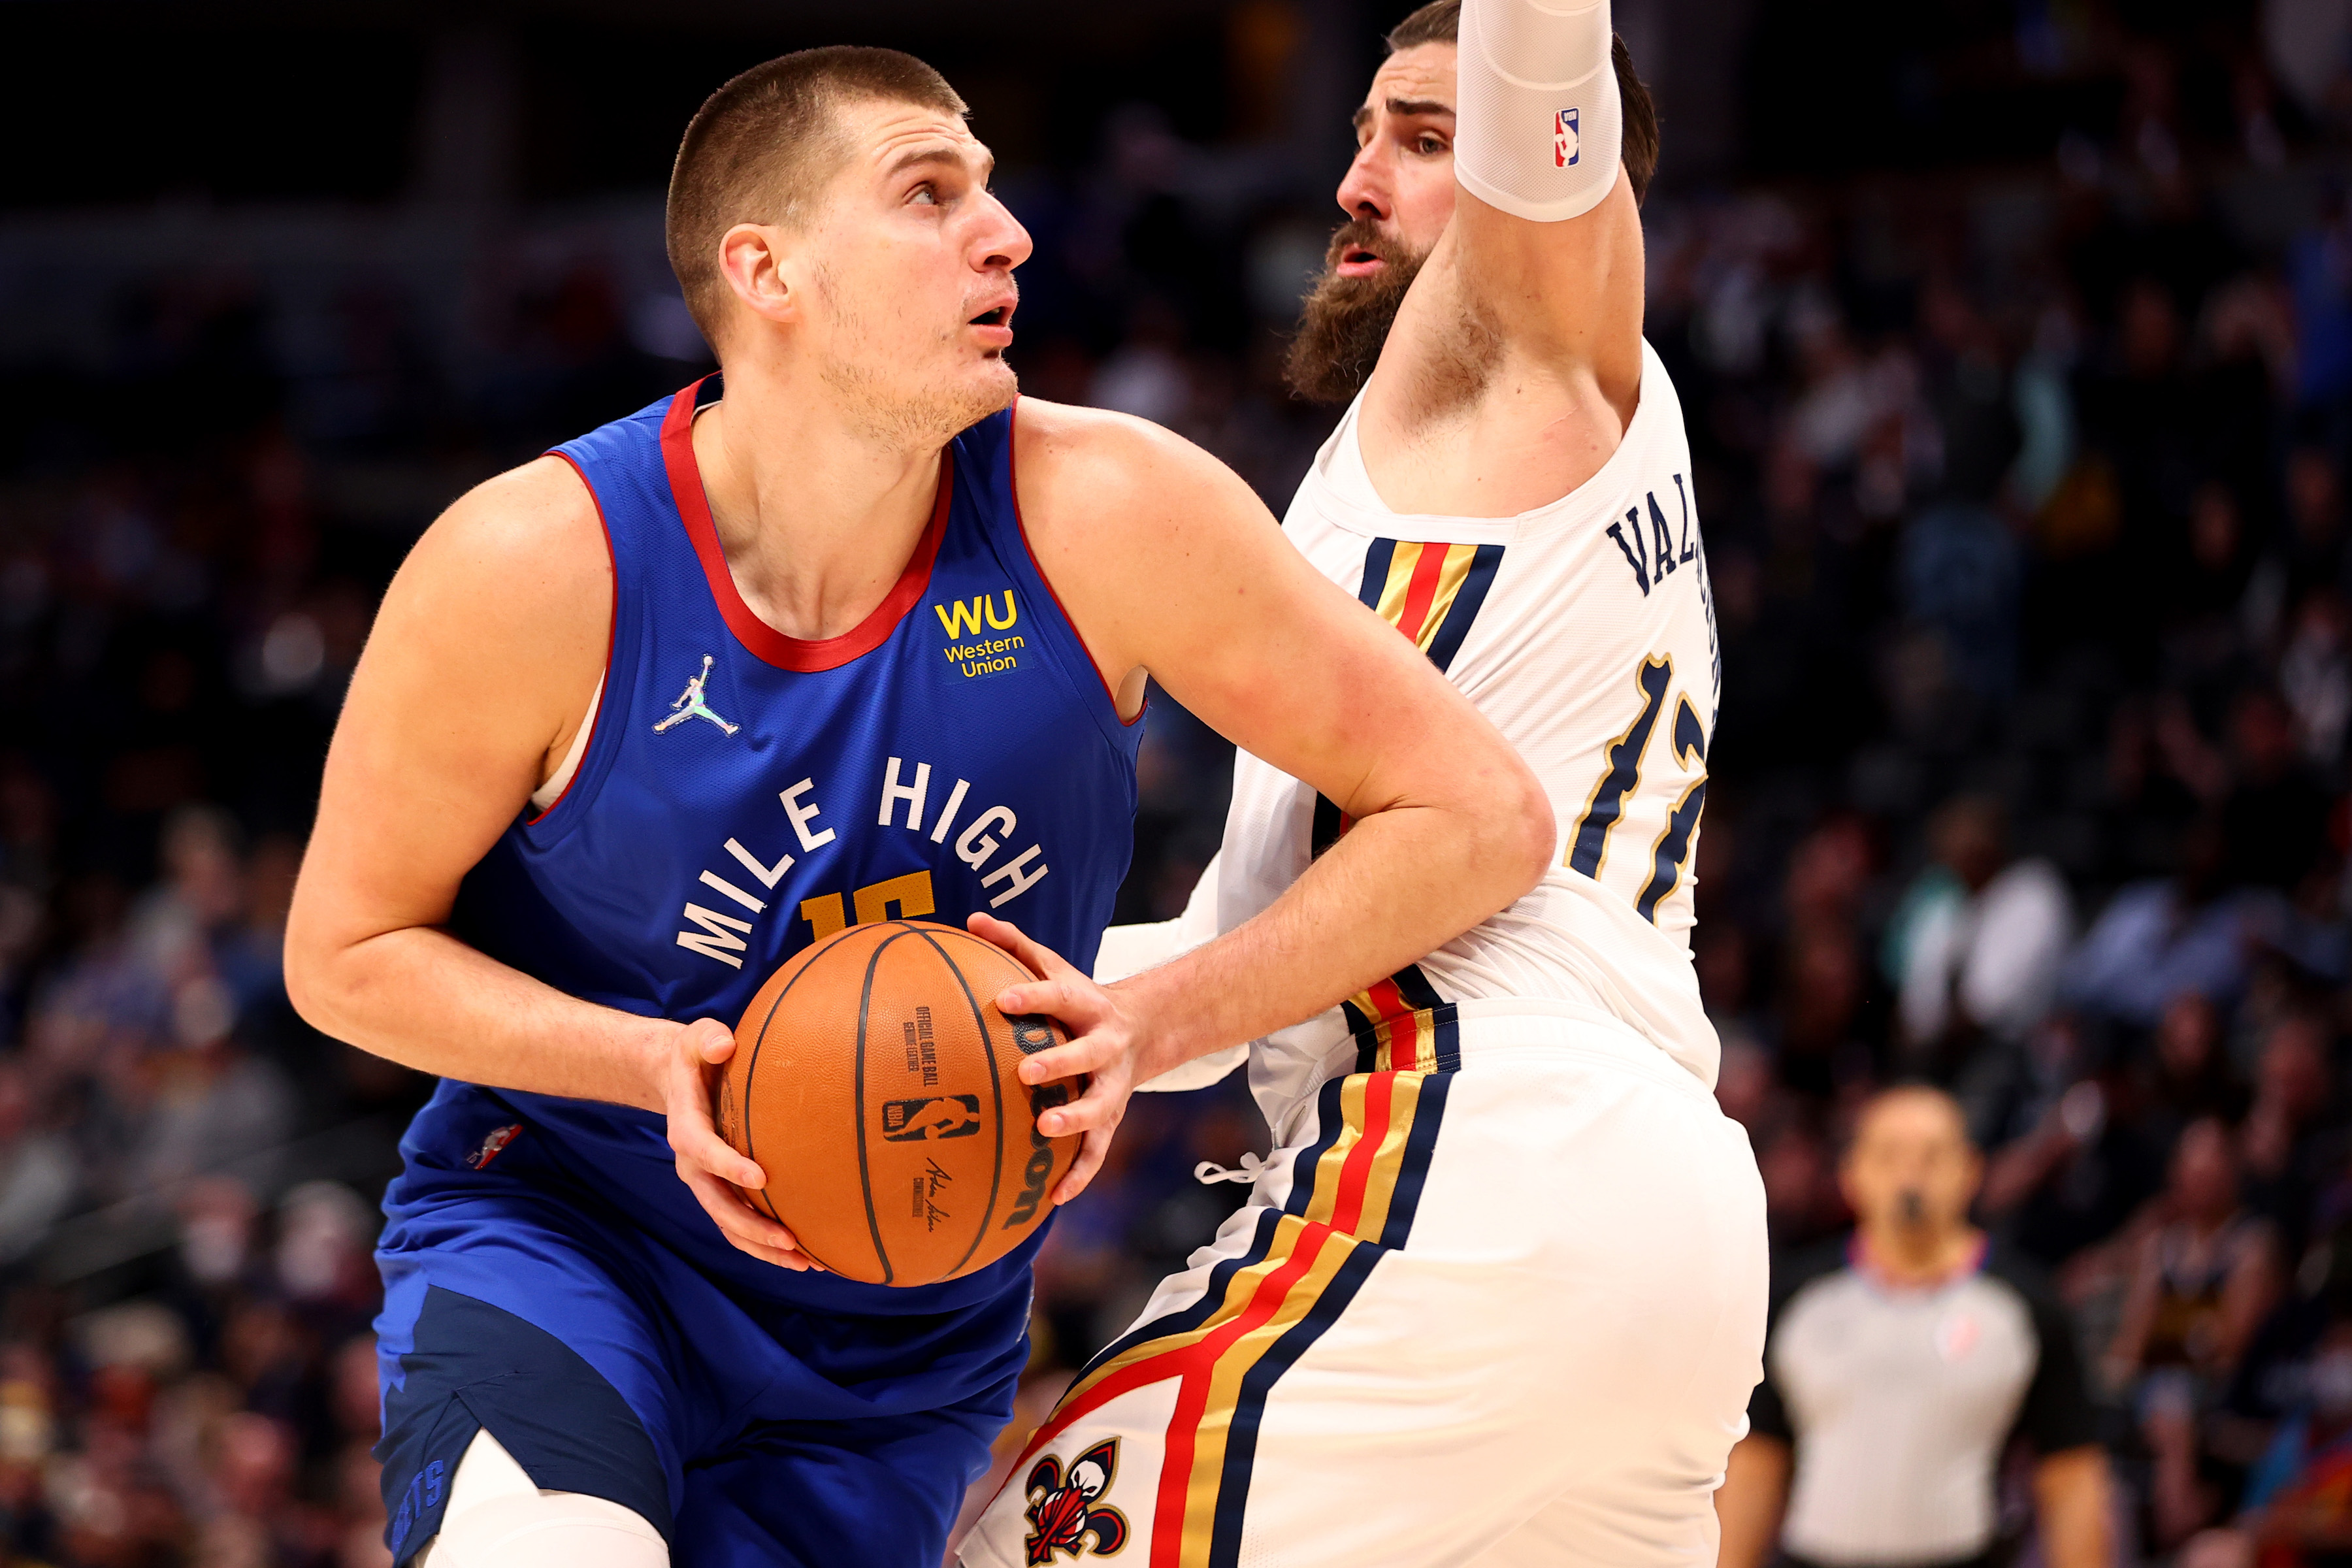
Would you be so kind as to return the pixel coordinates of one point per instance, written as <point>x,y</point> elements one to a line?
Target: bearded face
<point>1346,319</point>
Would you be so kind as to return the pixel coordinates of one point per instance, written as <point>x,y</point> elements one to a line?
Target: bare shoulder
<point>1137,529</point>
<point>509,594</point>
<point>530,526</point>
<point>525,550</point>
<point>1083,472</point>
<point>1058,444</point>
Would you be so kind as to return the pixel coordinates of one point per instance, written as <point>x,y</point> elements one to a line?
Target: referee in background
<point>1898,1368</point>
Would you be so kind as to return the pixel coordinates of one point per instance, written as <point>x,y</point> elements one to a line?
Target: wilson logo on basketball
<point>941,1116</point>
<point>1033,1174</point>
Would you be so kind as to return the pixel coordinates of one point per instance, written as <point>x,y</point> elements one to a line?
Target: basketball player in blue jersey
<point>853,638</point>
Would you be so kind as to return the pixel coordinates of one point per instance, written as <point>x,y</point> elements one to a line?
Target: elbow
<point>1523,829</point>
<point>310,974</point>
<point>305,986</point>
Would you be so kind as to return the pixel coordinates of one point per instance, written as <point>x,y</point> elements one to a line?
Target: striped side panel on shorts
<point>1352,1199</point>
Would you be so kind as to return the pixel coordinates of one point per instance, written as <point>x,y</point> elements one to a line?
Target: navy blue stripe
<point>1200,1312</point>
<point>1258,1383</point>
<point>1414,986</point>
<point>1464,608</point>
<point>1366,1037</point>
<point>1376,572</point>
<point>1413,1172</point>
<point>1304,1172</point>
<point>1310,1159</point>
<point>1241,1437</point>
<point>1325,829</point>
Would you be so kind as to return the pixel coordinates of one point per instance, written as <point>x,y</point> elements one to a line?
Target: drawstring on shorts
<point>1209,1173</point>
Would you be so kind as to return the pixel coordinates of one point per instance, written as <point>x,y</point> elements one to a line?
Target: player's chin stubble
<point>1346,321</point>
<point>894,409</point>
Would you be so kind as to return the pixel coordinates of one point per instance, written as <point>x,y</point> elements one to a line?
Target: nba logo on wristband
<point>1567,146</point>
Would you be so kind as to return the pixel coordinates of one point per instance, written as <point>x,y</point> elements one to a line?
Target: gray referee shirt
<point>1899,1404</point>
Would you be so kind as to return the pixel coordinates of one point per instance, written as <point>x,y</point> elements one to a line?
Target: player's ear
<point>754,261</point>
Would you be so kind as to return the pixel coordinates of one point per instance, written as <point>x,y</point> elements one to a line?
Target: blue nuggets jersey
<point>743,793</point>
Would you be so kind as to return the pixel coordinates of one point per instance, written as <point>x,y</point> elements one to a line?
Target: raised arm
<point>1547,236</point>
<point>484,656</point>
<point>1514,363</point>
<point>1170,565</point>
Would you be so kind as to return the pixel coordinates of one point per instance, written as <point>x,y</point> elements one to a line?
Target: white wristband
<point>1539,127</point>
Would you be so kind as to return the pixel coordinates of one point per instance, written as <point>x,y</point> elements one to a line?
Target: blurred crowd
<point>2030,526</point>
<point>2027,522</point>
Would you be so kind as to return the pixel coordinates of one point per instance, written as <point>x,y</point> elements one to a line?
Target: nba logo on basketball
<point>1566,146</point>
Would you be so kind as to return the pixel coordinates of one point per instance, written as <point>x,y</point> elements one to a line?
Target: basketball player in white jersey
<point>1498,1295</point>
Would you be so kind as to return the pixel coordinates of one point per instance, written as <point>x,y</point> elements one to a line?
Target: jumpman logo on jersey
<point>689,704</point>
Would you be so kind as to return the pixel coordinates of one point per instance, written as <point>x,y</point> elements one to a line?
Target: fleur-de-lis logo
<point>689,704</point>
<point>1067,1515</point>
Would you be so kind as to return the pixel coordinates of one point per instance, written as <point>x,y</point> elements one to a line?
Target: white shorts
<point>1505,1309</point>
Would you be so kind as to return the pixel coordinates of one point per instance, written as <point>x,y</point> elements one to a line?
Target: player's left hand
<point>1107,1041</point>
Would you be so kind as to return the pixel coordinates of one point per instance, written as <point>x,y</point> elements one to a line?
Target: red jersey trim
<point>764,641</point>
<point>1013,483</point>
<point>612,634</point>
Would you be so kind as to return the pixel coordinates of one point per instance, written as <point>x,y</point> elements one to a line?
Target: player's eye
<point>926,193</point>
<point>1428,145</point>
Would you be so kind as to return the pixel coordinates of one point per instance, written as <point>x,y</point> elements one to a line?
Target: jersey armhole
<point>582,755</point>
<point>559,780</point>
<point>1012,488</point>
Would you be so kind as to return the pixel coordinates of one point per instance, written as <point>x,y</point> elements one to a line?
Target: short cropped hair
<point>762,148</point>
<point>1440,22</point>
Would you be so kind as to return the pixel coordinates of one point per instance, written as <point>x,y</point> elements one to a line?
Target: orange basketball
<point>874,1080</point>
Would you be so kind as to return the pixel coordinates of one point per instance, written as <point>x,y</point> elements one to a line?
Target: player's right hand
<point>708,1164</point>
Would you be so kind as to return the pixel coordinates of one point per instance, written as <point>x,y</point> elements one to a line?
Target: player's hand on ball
<point>707,1163</point>
<point>1105,1039</point>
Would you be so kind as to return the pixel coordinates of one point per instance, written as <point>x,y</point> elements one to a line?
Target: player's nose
<point>1002,242</point>
<point>1365,191</point>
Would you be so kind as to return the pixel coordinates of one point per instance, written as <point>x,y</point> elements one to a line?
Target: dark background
<point>2014,338</point>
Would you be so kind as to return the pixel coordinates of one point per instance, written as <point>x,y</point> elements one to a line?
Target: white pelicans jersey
<point>1585,630</point>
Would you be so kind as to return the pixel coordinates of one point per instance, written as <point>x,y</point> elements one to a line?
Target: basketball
<point>875,1082</point>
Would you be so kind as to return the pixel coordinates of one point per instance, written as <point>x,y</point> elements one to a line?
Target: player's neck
<point>1468,417</point>
<point>1919,1258</point>
<point>817,514</point>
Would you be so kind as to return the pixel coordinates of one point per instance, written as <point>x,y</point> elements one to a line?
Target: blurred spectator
<point>2190,1076</point>
<point>36,1170</point>
<point>2276,816</point>
<point>210,1103</point>
<point>2291,1147</point>
<point>1990,934</point>
<point>1899,1367</point>
<point>2158,940</point>
<point>2080,1170</point>
<point>2204,1279</point>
